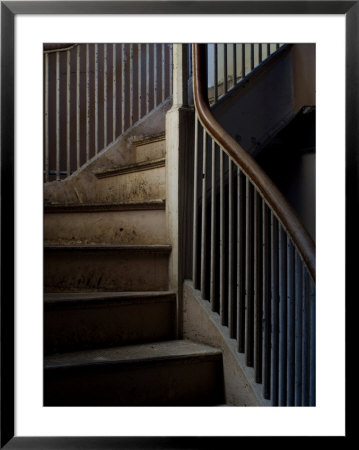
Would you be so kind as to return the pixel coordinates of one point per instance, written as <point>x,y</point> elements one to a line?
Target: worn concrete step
<point>74,268</point>
<point>138,182</point>
<point>94,224</point>
<point>150,147</point>
<point>78,321</point>
<point>172,373</point>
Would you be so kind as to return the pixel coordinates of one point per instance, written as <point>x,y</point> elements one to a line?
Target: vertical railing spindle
<point>78,108</point>
<point>267,310</point>
<point>305,339</point>
<point>258,287</point>
<point>139,78</point>
<point>104,95</point>
<point>57,116</point>
<point>213,227</point>
<point>243,60</point>
<point>290,323</point>
<point>221,238</point>
<point>148,78</point>
<point>240,264</point>
<point>234,64</point>
<point>215,71</point>
<point>46,77</point>
<point>68,112</point>
<point>312,345</point>
<point>123,87</point>
<point>114,91</point>
<point>282,360</point>
<point>131,85</point>
<point>225,69</point>
<point>204,215</point>
<point>96,97</point>
<point>249,275</point>
<point>195,203</point>
<point>163,82</point>
<point>231,306</point>
<point>275,304</point>
<point>298,332</point>
<point>155,86</point>
<point>87,102</point>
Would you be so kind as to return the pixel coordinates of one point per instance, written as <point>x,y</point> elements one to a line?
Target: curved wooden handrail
<point>270,193</point>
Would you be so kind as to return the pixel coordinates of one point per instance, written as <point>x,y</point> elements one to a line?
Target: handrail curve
<point>270,193</point>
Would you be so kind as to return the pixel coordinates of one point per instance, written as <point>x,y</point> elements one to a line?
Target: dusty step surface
<point>93,224</point>
<point>76,321</point>
<point>138,182</point>
<point>74,268</point>
<point>177,372</point>
<point>150,147</point>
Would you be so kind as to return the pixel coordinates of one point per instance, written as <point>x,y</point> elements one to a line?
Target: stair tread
<point>143,140</point>
<point>159,204</point>
<point>134,167</point>
<point>125,247</point>
<point>157,351</point>
<point>81,297</point>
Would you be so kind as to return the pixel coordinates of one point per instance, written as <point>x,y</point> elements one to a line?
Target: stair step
<point>74,225</point>
<point>137,183</point>
<point>150,147</point>
<point>56,208</point>
<point>171,373</point>
<point>136,167</point>
<point>77,321</point>
<point>73,268</point>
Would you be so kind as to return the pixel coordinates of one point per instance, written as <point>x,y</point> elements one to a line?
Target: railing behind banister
<point>228,64</point>
<point>252,259</point>
<point>93,93</point>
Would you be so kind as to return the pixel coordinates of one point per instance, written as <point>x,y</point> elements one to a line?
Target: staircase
<point>109,316</point>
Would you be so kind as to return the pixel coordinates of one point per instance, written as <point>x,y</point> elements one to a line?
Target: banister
<point>269,192</point>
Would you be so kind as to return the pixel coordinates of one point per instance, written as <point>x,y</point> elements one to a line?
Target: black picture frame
<point>9,9</point>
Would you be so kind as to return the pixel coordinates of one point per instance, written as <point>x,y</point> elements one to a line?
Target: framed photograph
<point>162,272</point>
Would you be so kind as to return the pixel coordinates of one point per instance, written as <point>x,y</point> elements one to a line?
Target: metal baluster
<point>68,111</point>
<point>252,56</point>
<point>204,214</point>
<point>57,115</point>
<point>240,264</point>
<point>163,72</point>
<point>298,332</point>
<point>147,78</point>
<point>131,85</point>
<point>225,69</point>
<point>275,304</point>
<point>123,87</point>
<point>155,87</point>
<point>96,98</point>
<point>195,205</point>
<point>290,323</point>
<point>221,239</point>
<point>260,54</point>
<point>215,71</point>
<point>249,274</point>
<point>104,95</point>
<point>139,81</point>
<point>234,64</point>
<point>282,391</point>
<point>78,108</point>
<point>213,228</point>
<point>267,310</point>
<point>171,69</point>
<point>231,308</point>
<point>243,60</point>
<point>87,103</point>
<point>305,339</point>
<point>114,82</point>
<point>258,287</point>
<point>46,117</point>
<point>312,394</point>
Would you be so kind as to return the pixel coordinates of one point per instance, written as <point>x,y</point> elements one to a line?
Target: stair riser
<point>121,227</point>
<point>133,187</point>
<point>105,324</point>
<point>105,270</point>
<point>185,382</point>
<point>150,151</point>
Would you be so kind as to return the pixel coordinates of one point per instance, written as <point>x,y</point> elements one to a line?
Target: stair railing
<point>252,258</point>
<point>93,93</point>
